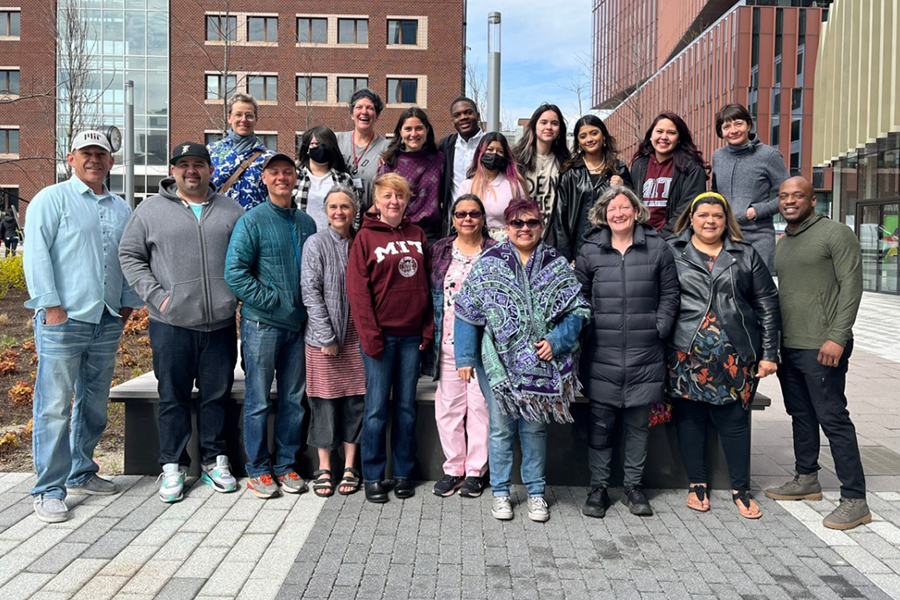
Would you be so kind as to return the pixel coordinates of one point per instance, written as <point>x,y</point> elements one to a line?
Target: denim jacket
<point>439,258</point>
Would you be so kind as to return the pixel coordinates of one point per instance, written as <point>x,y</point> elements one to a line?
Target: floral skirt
<point>712,371</point>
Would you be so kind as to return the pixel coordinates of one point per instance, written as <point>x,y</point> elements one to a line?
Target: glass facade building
<point>128,40</point>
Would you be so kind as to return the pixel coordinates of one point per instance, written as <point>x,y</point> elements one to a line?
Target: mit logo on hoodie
<point>398,247</point>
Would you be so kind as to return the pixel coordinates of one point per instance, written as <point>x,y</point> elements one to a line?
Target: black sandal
<point>351,481</point>
<point>700,492</point>
<point>744,498</point>
<point>323,486</point>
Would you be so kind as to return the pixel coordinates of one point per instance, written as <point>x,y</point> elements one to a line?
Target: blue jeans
<point>532,439</point>
<point>398,368</point>
<point>268,350</point>
<point>180,357</point>
<point>74,358</point>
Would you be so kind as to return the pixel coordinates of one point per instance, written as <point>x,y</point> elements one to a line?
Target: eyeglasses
<point>519,223</point>
<point>475,214</point>
<point>245,116</point>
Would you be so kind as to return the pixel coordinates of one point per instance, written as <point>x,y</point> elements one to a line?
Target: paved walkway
<point>236,546</point>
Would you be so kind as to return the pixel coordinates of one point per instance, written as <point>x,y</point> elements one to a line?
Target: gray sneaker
<point>50,510</point>
<point>537,509</point>
<point>801,487</point>
<point>95,486</point>
<point>501,508</point>
<point>850,513</point>
<point>171,488</point>
<point>292,483</point>
<point>218,475</point>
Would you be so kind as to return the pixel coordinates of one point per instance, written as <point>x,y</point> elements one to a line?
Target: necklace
<point>596,169</point>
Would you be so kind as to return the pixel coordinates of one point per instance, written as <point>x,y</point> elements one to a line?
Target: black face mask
<point>494,162</point>
<point>320,154</point>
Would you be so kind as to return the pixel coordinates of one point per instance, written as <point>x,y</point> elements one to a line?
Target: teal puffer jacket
<point>262,266</point>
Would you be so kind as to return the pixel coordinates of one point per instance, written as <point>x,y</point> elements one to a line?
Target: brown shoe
<point>801,487</point>
<point>850,513</point>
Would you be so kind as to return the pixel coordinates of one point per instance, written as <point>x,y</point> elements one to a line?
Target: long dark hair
<point>610,149</point>
<point>478,174</point>
<point>325,137</point>
<point>685,152</point>
<point>526,149</point>
<point>393,150</point>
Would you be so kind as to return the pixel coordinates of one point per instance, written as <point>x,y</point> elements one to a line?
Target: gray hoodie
<point>165,252</point>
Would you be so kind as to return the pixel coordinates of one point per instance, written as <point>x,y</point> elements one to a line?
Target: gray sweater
<point>748,176</point>
<point>165,252</point>
<point>323,281</point>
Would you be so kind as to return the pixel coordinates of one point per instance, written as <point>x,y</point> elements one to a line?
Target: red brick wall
<point>34,54</point>
<point>190,59</point>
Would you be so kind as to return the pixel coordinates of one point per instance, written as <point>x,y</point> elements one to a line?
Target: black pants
<point>733,424</point>
<point>11,243</point>
<point>814,396</point>
<point>181,356</point>
<point>635,431</point>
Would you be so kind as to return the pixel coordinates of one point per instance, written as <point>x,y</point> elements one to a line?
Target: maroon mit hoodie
<point>387,284</point>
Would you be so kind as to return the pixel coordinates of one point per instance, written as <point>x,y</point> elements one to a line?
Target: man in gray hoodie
<point>173,254</point>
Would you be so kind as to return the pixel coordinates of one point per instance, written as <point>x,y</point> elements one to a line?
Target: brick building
<point>301,60</point>
<point>27,106</point>
<point>761,53</point>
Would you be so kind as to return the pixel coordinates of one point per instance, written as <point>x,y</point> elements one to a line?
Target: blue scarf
<point>243,144</point>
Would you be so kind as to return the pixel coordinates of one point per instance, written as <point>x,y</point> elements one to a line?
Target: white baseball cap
<point>90,138</point>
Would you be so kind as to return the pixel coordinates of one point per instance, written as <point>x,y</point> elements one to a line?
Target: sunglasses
<point>519,223</point>
<point>461,214</point>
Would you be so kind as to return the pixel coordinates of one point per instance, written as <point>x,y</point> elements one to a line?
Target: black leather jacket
<point>739,291</point>
<point>575,196</point>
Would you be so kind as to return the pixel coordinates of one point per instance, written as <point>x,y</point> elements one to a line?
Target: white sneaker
<point>218,475</point>
<point>172,487</point>
<point>501,508</point>
<point>537,509</point>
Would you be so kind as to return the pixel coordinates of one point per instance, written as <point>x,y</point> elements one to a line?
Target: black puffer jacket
<point>739,291</point>
<point>575,196</point>
<point>634,300</point>
<point>686,185</point>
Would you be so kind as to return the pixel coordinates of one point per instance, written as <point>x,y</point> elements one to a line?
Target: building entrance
<point>877,228</point>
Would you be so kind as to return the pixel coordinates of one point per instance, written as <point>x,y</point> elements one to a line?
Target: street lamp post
<point>493,91</point>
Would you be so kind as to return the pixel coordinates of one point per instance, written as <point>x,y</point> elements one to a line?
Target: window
<point>215,89</point>
<point>10,23</point>
<point>263,87</point>
<point>402,91</point>
<point>795,130</point>
<point>9,196</point>
<point>353,31</point>
<point>312,31</point>
<point>220,28</point>
<point>9,82</point>
<point>269,140</point>
<point>776,135</point>
<point>9,141</point>
<point>347,85</point>
<point>797,99</point>
<point>403,32</point>
<point>312,89</point>
<point>262,29</point>
<point>211,136</point>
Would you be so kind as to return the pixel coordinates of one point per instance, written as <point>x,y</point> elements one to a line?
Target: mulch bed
<point>18,364</point>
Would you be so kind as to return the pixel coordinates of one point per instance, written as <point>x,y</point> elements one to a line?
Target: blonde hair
<point>597,214</point>
<point>391,180</point>
<point>732,229</point>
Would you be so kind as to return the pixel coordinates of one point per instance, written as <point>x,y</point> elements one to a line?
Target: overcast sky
<point>542,44</point>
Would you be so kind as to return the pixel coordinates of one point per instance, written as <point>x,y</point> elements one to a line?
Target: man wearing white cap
<point>81,302</point>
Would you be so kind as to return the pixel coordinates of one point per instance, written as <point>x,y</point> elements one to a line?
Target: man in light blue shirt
<point>81,302</point>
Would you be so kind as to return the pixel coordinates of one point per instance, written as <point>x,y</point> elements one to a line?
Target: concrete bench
<point>566,444</point>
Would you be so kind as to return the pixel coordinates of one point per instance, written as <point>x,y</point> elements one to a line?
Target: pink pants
<point>462,415</point>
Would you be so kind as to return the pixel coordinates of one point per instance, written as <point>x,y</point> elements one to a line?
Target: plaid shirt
<point>301,190</point>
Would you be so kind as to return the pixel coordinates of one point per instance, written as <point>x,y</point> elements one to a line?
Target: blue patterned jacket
<point>248,190</point>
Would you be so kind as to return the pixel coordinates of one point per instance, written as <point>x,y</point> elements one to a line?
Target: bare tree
<point>476,86</point>
<point>579,84</point>
<point>78,91</point>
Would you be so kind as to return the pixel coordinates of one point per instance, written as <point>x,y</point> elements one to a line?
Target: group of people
<point>514,276</point>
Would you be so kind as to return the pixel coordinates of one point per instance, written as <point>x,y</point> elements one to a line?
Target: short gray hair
<point>597,214</point>
<point>243,98</point>
<point>343,188</point>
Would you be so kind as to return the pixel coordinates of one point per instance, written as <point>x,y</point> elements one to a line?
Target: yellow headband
<point>712,195</point>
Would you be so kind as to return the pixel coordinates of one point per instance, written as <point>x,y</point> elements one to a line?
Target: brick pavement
<point>236,546</point>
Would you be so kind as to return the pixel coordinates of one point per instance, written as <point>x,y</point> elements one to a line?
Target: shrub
<point>12,275</point>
